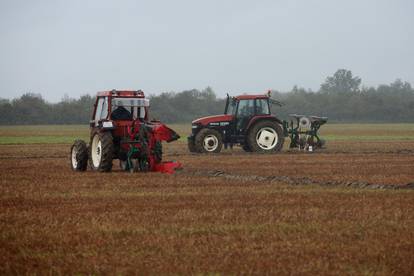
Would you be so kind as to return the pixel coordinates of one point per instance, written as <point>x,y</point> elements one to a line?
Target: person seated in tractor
<point>121,113</point>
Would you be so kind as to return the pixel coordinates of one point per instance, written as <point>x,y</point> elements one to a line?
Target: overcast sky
<point>57,47</point>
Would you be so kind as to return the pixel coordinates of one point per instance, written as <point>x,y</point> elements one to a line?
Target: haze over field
<point>77,47</point>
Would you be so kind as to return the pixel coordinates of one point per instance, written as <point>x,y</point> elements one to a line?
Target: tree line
<point>340,97</point>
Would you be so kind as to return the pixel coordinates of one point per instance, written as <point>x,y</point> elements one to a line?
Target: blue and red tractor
<point>247,121</point>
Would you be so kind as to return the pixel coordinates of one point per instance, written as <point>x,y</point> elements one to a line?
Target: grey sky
<point>76,47</point>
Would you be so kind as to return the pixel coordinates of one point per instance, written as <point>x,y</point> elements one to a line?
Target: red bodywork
<point>234,125</point>
<point>228,118</point>
<point>260,117</point>
<point>251,97</point>
<point>216,118</point>
<point>121,94</point>
<point>129,132</point>
<point>158,132</point>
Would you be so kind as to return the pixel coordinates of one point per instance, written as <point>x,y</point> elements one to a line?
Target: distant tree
<point>185,106</point>
<point>208,94</point>
<point>31,108</point>
<point>341,82</point>
<point>340,98</point>
<point>6,112</point>
<point>399,86</point>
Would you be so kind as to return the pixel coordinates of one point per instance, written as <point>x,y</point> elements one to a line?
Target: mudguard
<point>163,133</point>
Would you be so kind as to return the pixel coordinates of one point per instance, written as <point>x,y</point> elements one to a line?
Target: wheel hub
<point>96,151</point>
<point>210,143</point>
<point>267,138</point>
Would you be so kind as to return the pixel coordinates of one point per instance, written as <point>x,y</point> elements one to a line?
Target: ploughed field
<point>345,209</point>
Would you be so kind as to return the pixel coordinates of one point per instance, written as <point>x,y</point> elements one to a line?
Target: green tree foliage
<point>386,103</point>
<point>72,111</point>
<point>185,106</point>
<point>341,82</point>
<point>32,109</point>
<point>340,97</point>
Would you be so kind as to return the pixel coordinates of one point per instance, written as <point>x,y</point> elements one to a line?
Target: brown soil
<point>328,212</point>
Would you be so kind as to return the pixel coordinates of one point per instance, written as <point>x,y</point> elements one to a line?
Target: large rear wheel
<point>101,151</point>
<point>208,141</point>
<point>265,137</point>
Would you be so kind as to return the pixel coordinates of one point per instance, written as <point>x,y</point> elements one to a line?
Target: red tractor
<point>120,129</point>
<point>247,121</point>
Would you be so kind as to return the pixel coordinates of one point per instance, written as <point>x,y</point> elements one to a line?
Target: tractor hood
<point>213,119</point>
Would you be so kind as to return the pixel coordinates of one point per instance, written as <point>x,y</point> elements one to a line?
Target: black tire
<point>246,148</point>
<point>191,146</point>
<point>101,159</point>
<point>272,140</point>
<point>79,156</point>
<point>208,141</point>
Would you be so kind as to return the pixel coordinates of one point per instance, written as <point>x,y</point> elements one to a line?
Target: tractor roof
<point>122,93</point>
<point>252,97</point>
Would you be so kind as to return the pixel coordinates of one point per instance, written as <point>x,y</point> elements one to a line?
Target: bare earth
<point>344,210</point>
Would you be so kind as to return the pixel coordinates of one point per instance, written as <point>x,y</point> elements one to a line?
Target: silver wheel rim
<point>267,138</point>
<point>210,143</point>
<point>96,151</point>
<point>74,159</point>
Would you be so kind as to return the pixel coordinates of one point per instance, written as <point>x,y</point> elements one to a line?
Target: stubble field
<point>347,209</point>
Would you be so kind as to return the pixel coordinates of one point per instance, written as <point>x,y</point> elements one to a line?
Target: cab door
<point>100,111</point>
<point>245,112</point>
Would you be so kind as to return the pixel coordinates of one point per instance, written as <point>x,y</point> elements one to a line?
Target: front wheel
<point>266,137</point>
<point>208,141</point>
<point>191,146</point>
<point>79,156</point>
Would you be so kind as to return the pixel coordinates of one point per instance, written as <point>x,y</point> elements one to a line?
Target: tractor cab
<point>120,129</point>
<point>247,121</point>
<point>119,106</point>
<point>242,115</point>
<point>245,108</point>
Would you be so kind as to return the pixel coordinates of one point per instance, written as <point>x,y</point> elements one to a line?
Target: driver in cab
<point>121,113</point>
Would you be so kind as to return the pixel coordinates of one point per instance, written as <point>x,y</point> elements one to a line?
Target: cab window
<point>231,108</point>
<point>246,108</point>
<point>101,109</point>
<point>262,107</point>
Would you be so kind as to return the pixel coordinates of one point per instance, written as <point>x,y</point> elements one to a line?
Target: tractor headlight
<point>194,126</point>
<point>107,124</point>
